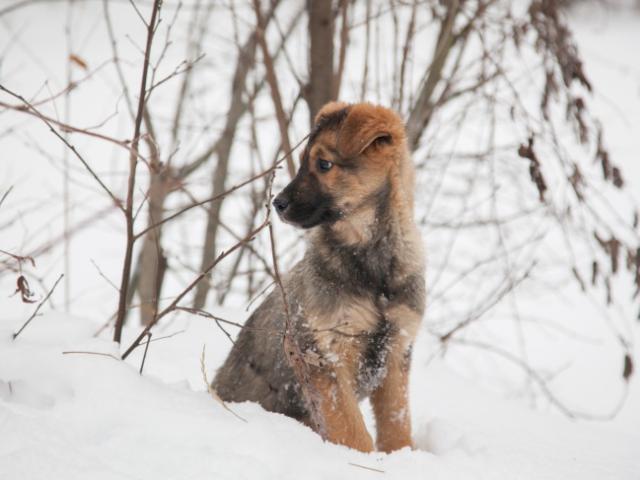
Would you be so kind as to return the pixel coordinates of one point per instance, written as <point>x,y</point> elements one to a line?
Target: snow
<point>78,416</point>
<point>68,416</point>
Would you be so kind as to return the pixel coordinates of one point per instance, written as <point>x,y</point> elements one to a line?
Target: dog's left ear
<point>365,126</point>
<point>329,109</point>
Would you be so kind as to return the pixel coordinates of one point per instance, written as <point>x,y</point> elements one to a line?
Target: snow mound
<point>78,416</point>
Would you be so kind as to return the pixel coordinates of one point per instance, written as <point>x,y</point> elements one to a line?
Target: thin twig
<point>146,349</point>
<point>19,258</point>
<point>83,352</point>
<point>505,288</point>
<point>6,194</point>
<point>221,195</point>
<point>101,273</point>
<point>30,109</point>
<point>49,124</point>
<point>174,304</point>
<point>116,58</point>
<point>205,201</point>
<point>366,468</point>
<point>542,383</point>
<point>171,335</point>
<point>135,7</point>
<point>205,314</point>
<point>211,390</point>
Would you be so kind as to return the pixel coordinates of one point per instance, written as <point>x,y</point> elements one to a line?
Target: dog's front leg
<point>339,408</point>
<point>390,402</point>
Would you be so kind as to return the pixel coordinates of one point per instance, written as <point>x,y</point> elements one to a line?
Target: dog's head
<point>347,164</point>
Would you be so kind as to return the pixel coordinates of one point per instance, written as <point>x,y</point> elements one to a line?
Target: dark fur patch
<point>331,121</point>
<point>363,268</point>
<point>374,358</point>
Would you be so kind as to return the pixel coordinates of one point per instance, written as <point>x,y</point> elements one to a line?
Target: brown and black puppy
<point>357,297</point>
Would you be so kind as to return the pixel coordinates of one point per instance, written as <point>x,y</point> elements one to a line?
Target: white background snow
<point>78,416</point>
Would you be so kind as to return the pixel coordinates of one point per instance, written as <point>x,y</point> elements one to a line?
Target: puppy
<point>357,297</point>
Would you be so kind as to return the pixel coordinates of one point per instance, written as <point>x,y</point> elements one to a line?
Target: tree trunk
<point>152,260</point>
<point>420,114</point>
<point>321,78</point>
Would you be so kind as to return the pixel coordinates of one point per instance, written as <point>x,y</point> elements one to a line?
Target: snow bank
<point>79,416</point>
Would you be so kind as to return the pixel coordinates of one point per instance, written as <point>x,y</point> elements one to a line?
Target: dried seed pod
<point>627,370</point>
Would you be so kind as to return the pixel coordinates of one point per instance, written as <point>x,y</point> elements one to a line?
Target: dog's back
<point>256,369</point>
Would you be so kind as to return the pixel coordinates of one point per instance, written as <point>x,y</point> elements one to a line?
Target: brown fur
<point>357,296</point>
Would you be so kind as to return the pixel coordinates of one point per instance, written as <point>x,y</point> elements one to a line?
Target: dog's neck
<point>364,223</point>
<point>388,211</point>
<point>362,250</point>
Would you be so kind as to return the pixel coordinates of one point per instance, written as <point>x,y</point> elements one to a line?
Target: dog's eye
<point>324,165</point>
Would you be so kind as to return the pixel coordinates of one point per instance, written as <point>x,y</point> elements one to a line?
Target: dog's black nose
<point>280,203</point>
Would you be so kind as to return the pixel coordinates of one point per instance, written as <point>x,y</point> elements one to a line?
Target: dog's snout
<point>281,203</point>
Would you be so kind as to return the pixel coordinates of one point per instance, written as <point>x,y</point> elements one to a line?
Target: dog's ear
<point>327,109</point>
<point>366,125</point>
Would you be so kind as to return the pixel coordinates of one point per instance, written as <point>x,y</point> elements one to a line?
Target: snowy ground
<point>67,416</point>
<point>86,416</point>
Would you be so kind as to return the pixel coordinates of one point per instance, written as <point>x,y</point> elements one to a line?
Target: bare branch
<point>126,267</point>
<point>174,304</point>
<point>83,352</point>
<point>116,201</point>
<point>146,349</point>
<point>272,80</point>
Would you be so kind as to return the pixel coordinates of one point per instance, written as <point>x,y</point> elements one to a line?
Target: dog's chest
<point>356,294</point>
<point>346,319</point>
<point>370,269</point>
<point>356,335</point>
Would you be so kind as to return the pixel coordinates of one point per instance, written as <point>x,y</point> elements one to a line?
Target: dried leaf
<point>78,61</point>
<point>630,259</point>
<point>606,165</point>
<point>611,248</point>
<point>627,371</point>
<point>636,279</point>
<point>22,287</point>
<point>614,250</point>
<point>618,181</point>
<point>577,180</point>
<point>550,91</point>
<point>526,151</point>
<point>600,240</point>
